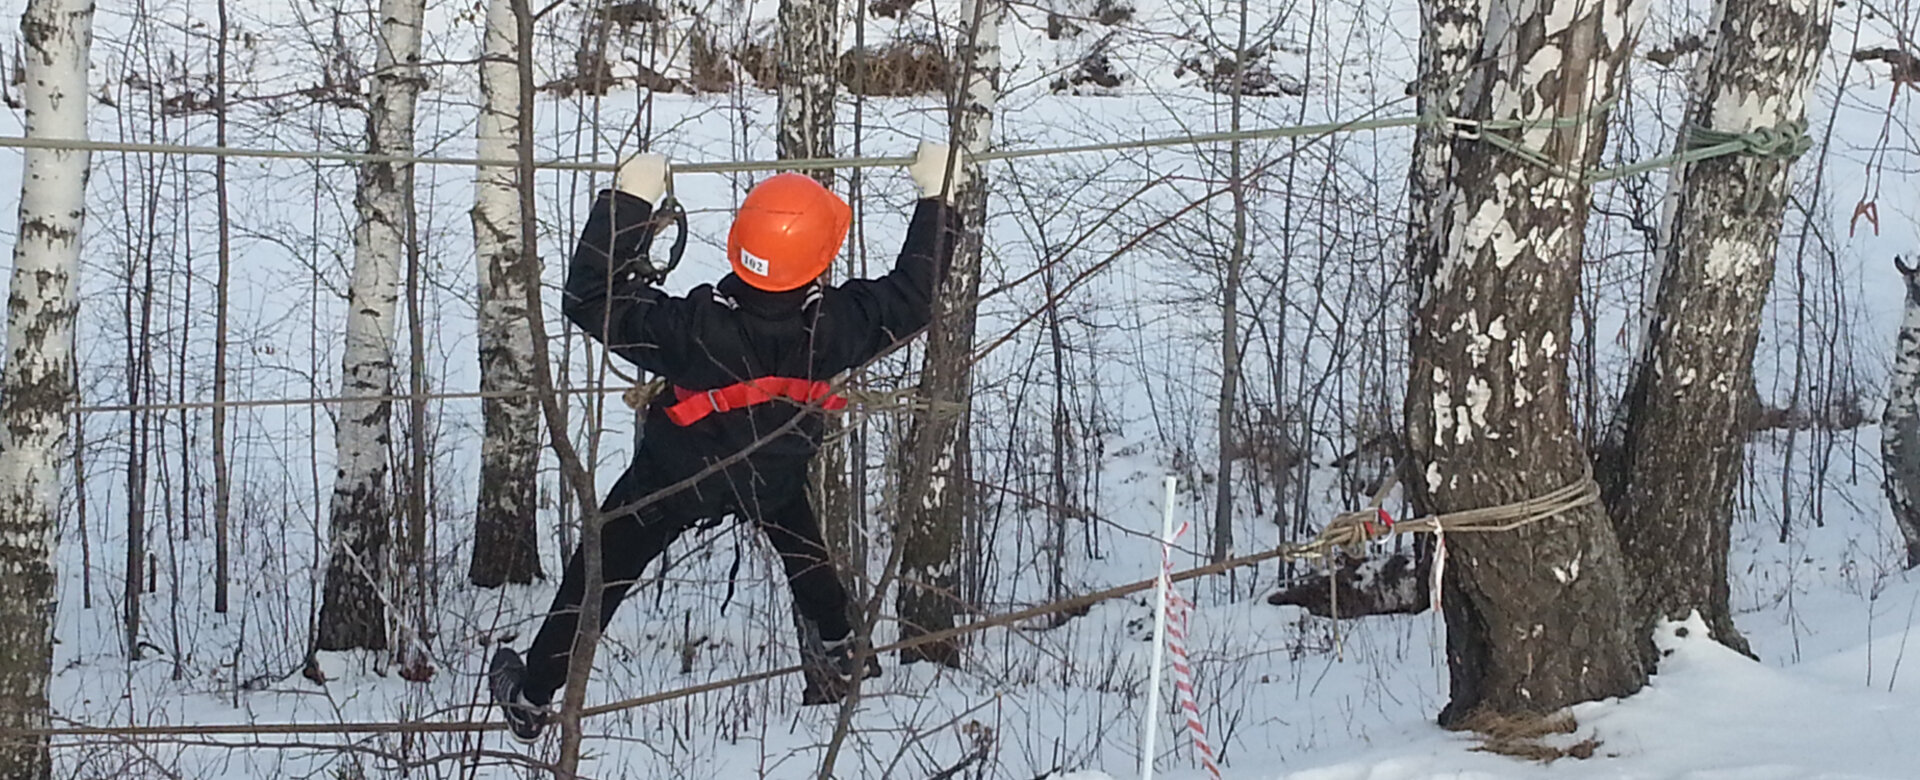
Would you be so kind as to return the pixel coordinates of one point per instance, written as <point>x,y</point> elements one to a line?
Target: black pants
<point>774,498</point>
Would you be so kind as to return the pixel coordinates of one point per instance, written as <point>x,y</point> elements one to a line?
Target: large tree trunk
<point>1535,616</point>
<point>1900,422</point>
<point>506,545</point>
<point>1450,34</point>
<point>36,385</point>
<point>809,82</point>
<point>1684,437</point>
<point>937,488</point>
<point>352,614</point>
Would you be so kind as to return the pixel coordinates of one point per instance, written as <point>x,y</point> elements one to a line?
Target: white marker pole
<point>1159,635</point>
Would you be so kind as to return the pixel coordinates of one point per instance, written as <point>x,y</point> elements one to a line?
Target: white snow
<point>1284,695</point>
<point>1711,714</point>
<point>1072,694</point>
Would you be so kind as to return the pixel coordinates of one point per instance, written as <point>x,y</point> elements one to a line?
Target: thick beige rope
<point>1351,531</point>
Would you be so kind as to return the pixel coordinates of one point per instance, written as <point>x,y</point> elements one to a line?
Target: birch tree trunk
<point>1900,421</point>
<point>36,385</point>
<point>1684,438</point>
<point>809,81</point>
<point>936,491</point>
<point>506,545</point>
<point>1449,46</point>
<point>352,614</point>
<point>808,86</point>
<point>1450,37</point>
<point>1535,616</point>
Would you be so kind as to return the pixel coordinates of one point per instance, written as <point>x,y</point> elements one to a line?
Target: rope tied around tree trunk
<point>1351,531</point>
<point>1785,142</point>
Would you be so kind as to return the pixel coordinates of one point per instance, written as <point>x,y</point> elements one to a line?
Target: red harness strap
<point>696,404</point>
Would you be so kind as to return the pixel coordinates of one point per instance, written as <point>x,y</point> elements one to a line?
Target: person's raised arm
<point>610,290</point>
<point>872,314</point>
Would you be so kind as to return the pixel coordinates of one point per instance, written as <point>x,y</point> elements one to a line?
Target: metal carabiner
<point>670,212</point>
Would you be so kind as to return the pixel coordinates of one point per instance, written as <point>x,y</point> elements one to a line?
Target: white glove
<point>929,170</point>
<point>644,176</point>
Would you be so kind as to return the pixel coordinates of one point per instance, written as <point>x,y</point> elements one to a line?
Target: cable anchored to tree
<point>1784,142</point>
<point>1465,128</point>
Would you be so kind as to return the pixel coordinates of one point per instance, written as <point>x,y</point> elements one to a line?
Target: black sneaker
<point>525,719</point>
<point>841,655</point>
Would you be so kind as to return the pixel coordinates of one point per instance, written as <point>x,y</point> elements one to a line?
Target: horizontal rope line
<point>178,406</point>
<point>859,400</point>
<point>1767,141</point>
<point>420,727</point>
<point>722,166</point>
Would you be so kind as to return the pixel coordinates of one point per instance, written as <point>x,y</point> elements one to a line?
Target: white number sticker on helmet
<point>754,264</point>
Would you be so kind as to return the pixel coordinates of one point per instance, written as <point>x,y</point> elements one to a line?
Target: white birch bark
<point>808,80</point>
<point>351,611</point>
<point>1449,44</point>
<point>808,87</point>
<point>1900,421</point>
<point>1535,616</point>
<point>506,546</point>
<point>1450,35</point>
<point>935,494</point>
<point>36,385</point>
<point>1684,432</point>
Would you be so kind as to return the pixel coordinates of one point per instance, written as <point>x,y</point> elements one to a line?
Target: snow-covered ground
<point>1282,694</point>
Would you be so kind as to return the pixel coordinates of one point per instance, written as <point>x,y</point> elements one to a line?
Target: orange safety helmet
<point>787,232</point>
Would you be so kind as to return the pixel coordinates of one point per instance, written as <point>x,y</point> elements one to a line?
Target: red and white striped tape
<point>1178,609</point>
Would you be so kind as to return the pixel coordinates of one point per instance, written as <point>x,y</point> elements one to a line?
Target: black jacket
<point>721,334</point>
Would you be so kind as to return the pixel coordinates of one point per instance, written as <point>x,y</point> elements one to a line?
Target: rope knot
<point>1351,531</point>
<point>1786,142</point>
<point>1782,142</point>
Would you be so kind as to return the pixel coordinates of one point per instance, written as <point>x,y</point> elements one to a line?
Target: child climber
<point>743,357</point>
